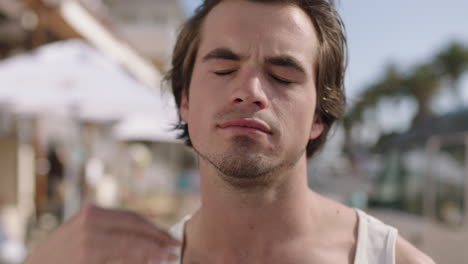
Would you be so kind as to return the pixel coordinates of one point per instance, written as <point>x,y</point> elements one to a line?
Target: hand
<point>100,236</point>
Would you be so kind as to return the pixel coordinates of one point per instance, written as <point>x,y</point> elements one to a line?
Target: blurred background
<point>85,117</point>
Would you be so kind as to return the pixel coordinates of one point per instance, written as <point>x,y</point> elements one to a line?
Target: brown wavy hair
<point>331,62</point>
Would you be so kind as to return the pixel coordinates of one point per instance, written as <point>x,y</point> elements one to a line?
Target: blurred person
<point>55,177</point>
<point>258,85</point>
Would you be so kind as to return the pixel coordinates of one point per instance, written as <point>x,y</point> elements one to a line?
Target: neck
<point>231,217</point>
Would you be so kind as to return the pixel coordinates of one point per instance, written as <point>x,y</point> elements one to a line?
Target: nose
<point>249,90</point>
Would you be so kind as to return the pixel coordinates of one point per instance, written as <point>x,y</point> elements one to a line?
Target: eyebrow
<point>222,53</point>
<point>286,61</point>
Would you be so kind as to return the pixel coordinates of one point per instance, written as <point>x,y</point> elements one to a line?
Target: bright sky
<point>405,32</point>
<point>402,31</point>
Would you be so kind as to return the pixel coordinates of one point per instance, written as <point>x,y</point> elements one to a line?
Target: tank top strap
<point>376,241</point>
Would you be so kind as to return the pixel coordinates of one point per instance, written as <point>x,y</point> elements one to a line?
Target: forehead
<point>271,29</point>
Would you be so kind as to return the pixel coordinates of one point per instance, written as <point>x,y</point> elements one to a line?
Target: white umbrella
<point>71,77</point>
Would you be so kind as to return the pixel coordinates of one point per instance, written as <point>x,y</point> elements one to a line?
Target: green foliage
<point>452,62</point>
<point>420,83</point>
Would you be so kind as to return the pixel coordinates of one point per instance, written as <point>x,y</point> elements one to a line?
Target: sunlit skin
<point>265,213</point>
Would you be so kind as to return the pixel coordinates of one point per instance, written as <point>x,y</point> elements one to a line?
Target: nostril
<point>238,100</point>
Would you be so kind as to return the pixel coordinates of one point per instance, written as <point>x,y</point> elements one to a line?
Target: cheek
<point>203,83</point>
<point>298,115</point>
<point>201,112</point>
<point>196,109</point>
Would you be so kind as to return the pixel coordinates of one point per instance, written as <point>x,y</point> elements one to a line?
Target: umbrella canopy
<point>71,77</point>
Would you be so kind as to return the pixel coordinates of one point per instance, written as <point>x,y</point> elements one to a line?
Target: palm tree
<point>421,83</point>
<point>387,87</point>
<point>452,62</point>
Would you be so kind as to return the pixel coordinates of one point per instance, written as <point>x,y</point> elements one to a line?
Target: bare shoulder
<point>335,207</point>
<point>338,219</point>
<point>408,254</point>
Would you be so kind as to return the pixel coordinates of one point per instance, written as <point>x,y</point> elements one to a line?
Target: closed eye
<point>280,80</point>
<point>224,72</point>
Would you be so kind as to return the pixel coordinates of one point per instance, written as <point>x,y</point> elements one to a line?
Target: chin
<point>249,184</point>
<point>241,162</point>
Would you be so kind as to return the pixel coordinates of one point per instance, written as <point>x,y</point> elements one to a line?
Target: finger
<point>139,259</point>
<point>132,222</point>
<point>124,245</point>
<point>119,220</point>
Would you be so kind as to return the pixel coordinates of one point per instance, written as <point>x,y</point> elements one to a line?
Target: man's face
<point>252,94</point>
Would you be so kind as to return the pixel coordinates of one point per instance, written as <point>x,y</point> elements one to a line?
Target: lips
<point>246,123</point>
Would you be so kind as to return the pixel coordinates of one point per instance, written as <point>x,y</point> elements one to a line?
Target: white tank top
<point>375,243</point>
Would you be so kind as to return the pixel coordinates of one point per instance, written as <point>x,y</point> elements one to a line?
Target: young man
<point>258,85</point>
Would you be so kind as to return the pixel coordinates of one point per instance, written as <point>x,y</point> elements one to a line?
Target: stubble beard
<point>244,169</point>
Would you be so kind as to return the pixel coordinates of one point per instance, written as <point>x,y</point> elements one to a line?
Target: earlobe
<point>183,109</point>
<point>317,128</point>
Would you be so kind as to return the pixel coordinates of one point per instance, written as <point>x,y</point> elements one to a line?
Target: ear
<point>317,128</point>
<point>183,108</point>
